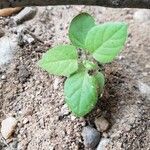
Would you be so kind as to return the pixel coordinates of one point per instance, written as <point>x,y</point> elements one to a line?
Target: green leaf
<point>79,28</point>
<point>89,65</point>
<point>106,41</point>
<point>100,80</point>
<point>60,60</point>
<point>81,93</point>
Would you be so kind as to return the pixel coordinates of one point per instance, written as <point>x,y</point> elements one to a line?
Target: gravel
<point>124,106</point>
<point>8,127</point>
<point>26,14</point>
<point>102,124</point>
<point>103,144</point>
<point>91,137</point>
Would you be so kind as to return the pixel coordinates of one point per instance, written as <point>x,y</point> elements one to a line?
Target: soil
<point>36,98</point>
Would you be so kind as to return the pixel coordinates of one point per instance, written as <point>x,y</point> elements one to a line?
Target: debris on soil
<point>7,48</point>
<point>27,111</point>
<point>23,74</point>
<point>26,14</point>
<point>8,127</point>
<point>9,11</point>
<point>64,111</point>
<point>2,33</point>
<point>28,39</point>
<point>3,77</point>
<point>101,124</point>
<point>91,137</point>
<point>144,89</point>
<point>25,120</point>
<point>103,144</point>
<point>56,83</point>
<point>142,15</point>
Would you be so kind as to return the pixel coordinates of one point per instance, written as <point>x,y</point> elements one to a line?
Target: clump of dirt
<point>36,98</point>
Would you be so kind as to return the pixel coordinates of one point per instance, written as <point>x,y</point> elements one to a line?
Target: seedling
<point>97,44</point>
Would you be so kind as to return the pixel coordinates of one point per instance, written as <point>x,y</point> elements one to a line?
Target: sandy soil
<point>36,98</point>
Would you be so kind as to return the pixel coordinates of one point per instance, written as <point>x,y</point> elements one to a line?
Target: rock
<point>72,117</point>
<point>102,124</point>
<point>56,83</point>
<point>144,88</point>
<point>23,74</point>
<point>7,47</point>
<point>25,120</point>
<point>8,127</point>
<point>3,77</point>
<point>28,39</point>
<point>103,143</point>
<point>9,11</point>
<point>26,14</point>
<point>91,137</point>
<point>2,33</point>
<point>64,110</point>
<point>142,15</point>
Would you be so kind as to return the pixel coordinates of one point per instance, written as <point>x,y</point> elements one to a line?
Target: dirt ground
<point>36,98</point>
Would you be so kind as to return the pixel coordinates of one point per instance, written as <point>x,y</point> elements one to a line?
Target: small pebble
<point>144,88</point>
<point>8,46</point>
<point>25,121</point>
<point>91,137</point>
<point>142,15</point>
<point>64,110</point>
<point>2,33</point>
<point>102,124</point>
<point>3,77</point>
<point>23,74</point>
<point>103,143</point>
<point>72,117</point>
<point>28,39</point>
<point>56,83</point>
<point>8,127</point>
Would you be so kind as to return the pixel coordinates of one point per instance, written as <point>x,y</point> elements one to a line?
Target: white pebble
<point>25,121</point>
<point>3,77</point>
<point>8,127</point>
<point>142,15</point>
<point>103,143</point>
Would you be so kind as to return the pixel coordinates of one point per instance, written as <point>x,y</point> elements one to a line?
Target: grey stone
<point>91,137</point>
<point>103,143</point>
<point>26,14</point>
<point>23,74</point>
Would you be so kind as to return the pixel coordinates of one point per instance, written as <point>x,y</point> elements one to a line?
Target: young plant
<point>98,44</point>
